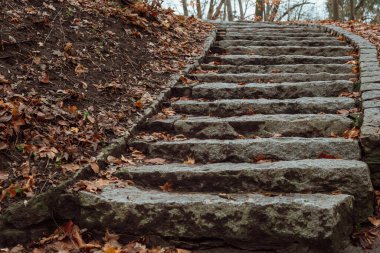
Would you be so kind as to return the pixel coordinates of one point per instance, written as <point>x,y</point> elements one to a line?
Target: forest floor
<point>75,75</point>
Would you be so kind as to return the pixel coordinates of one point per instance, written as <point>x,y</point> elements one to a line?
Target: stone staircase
<point>259,123</point>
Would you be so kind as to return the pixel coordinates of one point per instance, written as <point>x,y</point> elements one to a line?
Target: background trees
<point>278,10</point>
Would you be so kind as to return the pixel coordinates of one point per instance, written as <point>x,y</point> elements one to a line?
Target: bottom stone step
<point>320,222</point>
<point>302,176</point>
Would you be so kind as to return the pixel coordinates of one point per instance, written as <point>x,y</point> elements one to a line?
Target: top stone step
<point>306,43</point>
<point>254,37</point>
<point>276,33</point>
<point>283,30</point>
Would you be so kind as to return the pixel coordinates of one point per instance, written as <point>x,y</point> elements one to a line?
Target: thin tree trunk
<point>225,11</point>
<point>241,9</point>
<point>335,10</point>
<point>199,9</point>
<point>267,10</point>
<point>274,11</point>
<point>185,10</point>
<point>259,10</point>
<point>352,10</point>
<point>218,10</point>
<point>229,10</point>
<point>210,9</point>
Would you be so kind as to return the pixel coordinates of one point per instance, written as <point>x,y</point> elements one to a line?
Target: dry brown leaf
<point>352,133</point>
<point>95,167</point>
<point>114,160</point>
<point>71,167</point>
<point>80,69</point>
<point>189,161</point>
<point>3,145</point>
<point>374,221</point>
<point>3,80</point>
<point>25,169</point>
<point>139,104</point>
<point>167,187</point>
<point>44,78</point>
<point>157,161</point>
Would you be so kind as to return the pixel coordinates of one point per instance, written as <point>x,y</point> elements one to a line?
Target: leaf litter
<point>75,75</point>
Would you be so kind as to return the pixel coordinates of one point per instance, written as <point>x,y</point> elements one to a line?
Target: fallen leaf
<point>352,133</point>
<point>167,187</point>
<point>3,145</point>
<point>157,161</point>
<point>114,160</point>
<point>95,167</point>
<point>139,104</point>
<point>44,78</point>
<point>80,69</point>
<point>71,167</point>
<point>3,80</point>
<point>189,161</point>
<point>374,221</point>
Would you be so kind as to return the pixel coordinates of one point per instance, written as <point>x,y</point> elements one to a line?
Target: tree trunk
<point>241,9</point>
<point>335,4</point>
<point>199,9</point>
<point>229,10</point>
<point>259,10</point>
<point>267,10</point>
<point>210,9</point>
<point>184,5</point>
<point>352,10</point>
<point>218,10</point>
<point>225,11</point>
<point>274,11</point>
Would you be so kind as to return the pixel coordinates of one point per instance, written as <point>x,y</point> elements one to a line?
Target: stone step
<point>285,50</point>
<point>260,33</point>
<point>291,68</point>
<point>261,26</point>
<point>250,150</point>
<point>272,90</point>
<point>315,176</point>
<point>300,30</point>
<point>318,221</point>
<point>236,107</point>
<point>275,60</point>
<point>306,43</point>
<point>271,77</point>
<point>287,125</point>
<point>254,37</point>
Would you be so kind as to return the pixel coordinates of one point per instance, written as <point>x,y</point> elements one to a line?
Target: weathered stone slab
<point>290,50</point>
<point>235,107</point>
<point>307,43</point>
<point>305,125</point>
<point>247,150</point>
<point>254,37</point>
<point>292,68</point>
<point>370,79</point>
<point>272,60</point>
<point>272,90</point>
<point>374,103</point>
<point>370,135</point>
<point>315,176</point>
<point>275,30</point>
<point>260,34</point>
<point>371,95</point>
<point>272,77</point>
<point>320,221</point>
<point>369,86</point>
